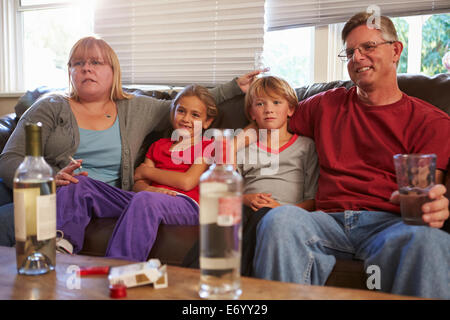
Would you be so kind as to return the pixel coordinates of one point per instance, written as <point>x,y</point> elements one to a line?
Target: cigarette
<point>75,161</point>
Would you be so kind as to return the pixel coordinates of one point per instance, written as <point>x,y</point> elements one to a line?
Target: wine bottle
<point>34,208</point>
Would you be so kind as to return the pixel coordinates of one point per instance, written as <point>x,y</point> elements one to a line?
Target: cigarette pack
<point>138,274</point>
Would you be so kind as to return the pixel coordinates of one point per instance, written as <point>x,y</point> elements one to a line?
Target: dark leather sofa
<point>173,242</point>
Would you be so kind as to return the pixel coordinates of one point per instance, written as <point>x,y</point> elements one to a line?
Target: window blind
<point>281,14</point>
<point>11,68</point>
<point>179,42</point>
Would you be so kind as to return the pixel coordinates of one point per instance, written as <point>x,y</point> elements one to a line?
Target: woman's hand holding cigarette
<point>67,175</point>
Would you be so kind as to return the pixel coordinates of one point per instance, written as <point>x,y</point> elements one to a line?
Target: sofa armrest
<point>7,125</point>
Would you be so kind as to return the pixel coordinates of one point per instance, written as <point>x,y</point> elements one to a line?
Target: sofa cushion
<point>172,242</point>
<point>30,97</point>
<point>315,88</point>
<point>348,274</point>
<point>97,236</point>
<point>433,90</point>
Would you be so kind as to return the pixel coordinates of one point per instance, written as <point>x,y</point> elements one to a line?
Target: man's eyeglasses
<point>94,63</point>
<point>364,48</point>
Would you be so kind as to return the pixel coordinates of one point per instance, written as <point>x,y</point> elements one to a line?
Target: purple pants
<point>140,215</point>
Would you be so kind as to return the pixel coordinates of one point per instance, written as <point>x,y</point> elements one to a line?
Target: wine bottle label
<point>21,207</point>
<point>34,215</point>
<point>210,192</point>
<point>46,216</point>
<point>230,211</point>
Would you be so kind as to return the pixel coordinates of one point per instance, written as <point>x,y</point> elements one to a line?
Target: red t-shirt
<point>180,161</point>
<point>355,143</point>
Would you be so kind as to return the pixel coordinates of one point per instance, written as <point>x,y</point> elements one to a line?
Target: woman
<point>96,109</point>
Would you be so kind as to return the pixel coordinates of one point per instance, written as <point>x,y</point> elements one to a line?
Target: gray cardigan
<point>60,133</point>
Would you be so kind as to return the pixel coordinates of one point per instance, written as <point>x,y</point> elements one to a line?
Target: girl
<point>167,181</point>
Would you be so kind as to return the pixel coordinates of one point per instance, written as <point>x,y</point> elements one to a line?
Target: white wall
<point>7,103</point>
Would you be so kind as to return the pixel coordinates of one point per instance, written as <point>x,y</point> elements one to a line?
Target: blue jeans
<point>5,194</point>
<point>6,216</point>
<point>294,245</point>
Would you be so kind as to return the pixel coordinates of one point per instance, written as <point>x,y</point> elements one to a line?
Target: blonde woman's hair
<point>82,49</point>
<point>269,86</point>
<point>202,94</point>
<point>386,26</point>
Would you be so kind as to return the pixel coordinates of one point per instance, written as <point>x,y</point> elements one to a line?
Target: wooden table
<point>183,284</point>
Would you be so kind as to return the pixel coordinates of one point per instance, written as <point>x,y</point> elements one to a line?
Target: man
<point>357,132</point>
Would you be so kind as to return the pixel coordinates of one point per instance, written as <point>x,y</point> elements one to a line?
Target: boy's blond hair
<point>269,86</point>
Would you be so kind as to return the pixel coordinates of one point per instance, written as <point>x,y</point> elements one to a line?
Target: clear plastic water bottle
<point>220,232</point>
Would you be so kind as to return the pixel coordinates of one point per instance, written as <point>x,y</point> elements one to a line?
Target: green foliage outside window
<point>435,43</point>
<point>402,27</point>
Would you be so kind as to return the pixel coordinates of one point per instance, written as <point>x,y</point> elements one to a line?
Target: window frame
<point>11,55</point>
<point>20,36</point>
<point>49,5</point>
<point>14,83</point>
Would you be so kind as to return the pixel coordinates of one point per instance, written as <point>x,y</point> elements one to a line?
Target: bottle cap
<point>117,291</point>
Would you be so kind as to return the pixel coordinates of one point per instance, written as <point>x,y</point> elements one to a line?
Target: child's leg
<point>250,220</point>
<point>135,232</point>
<point>77,203</point>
